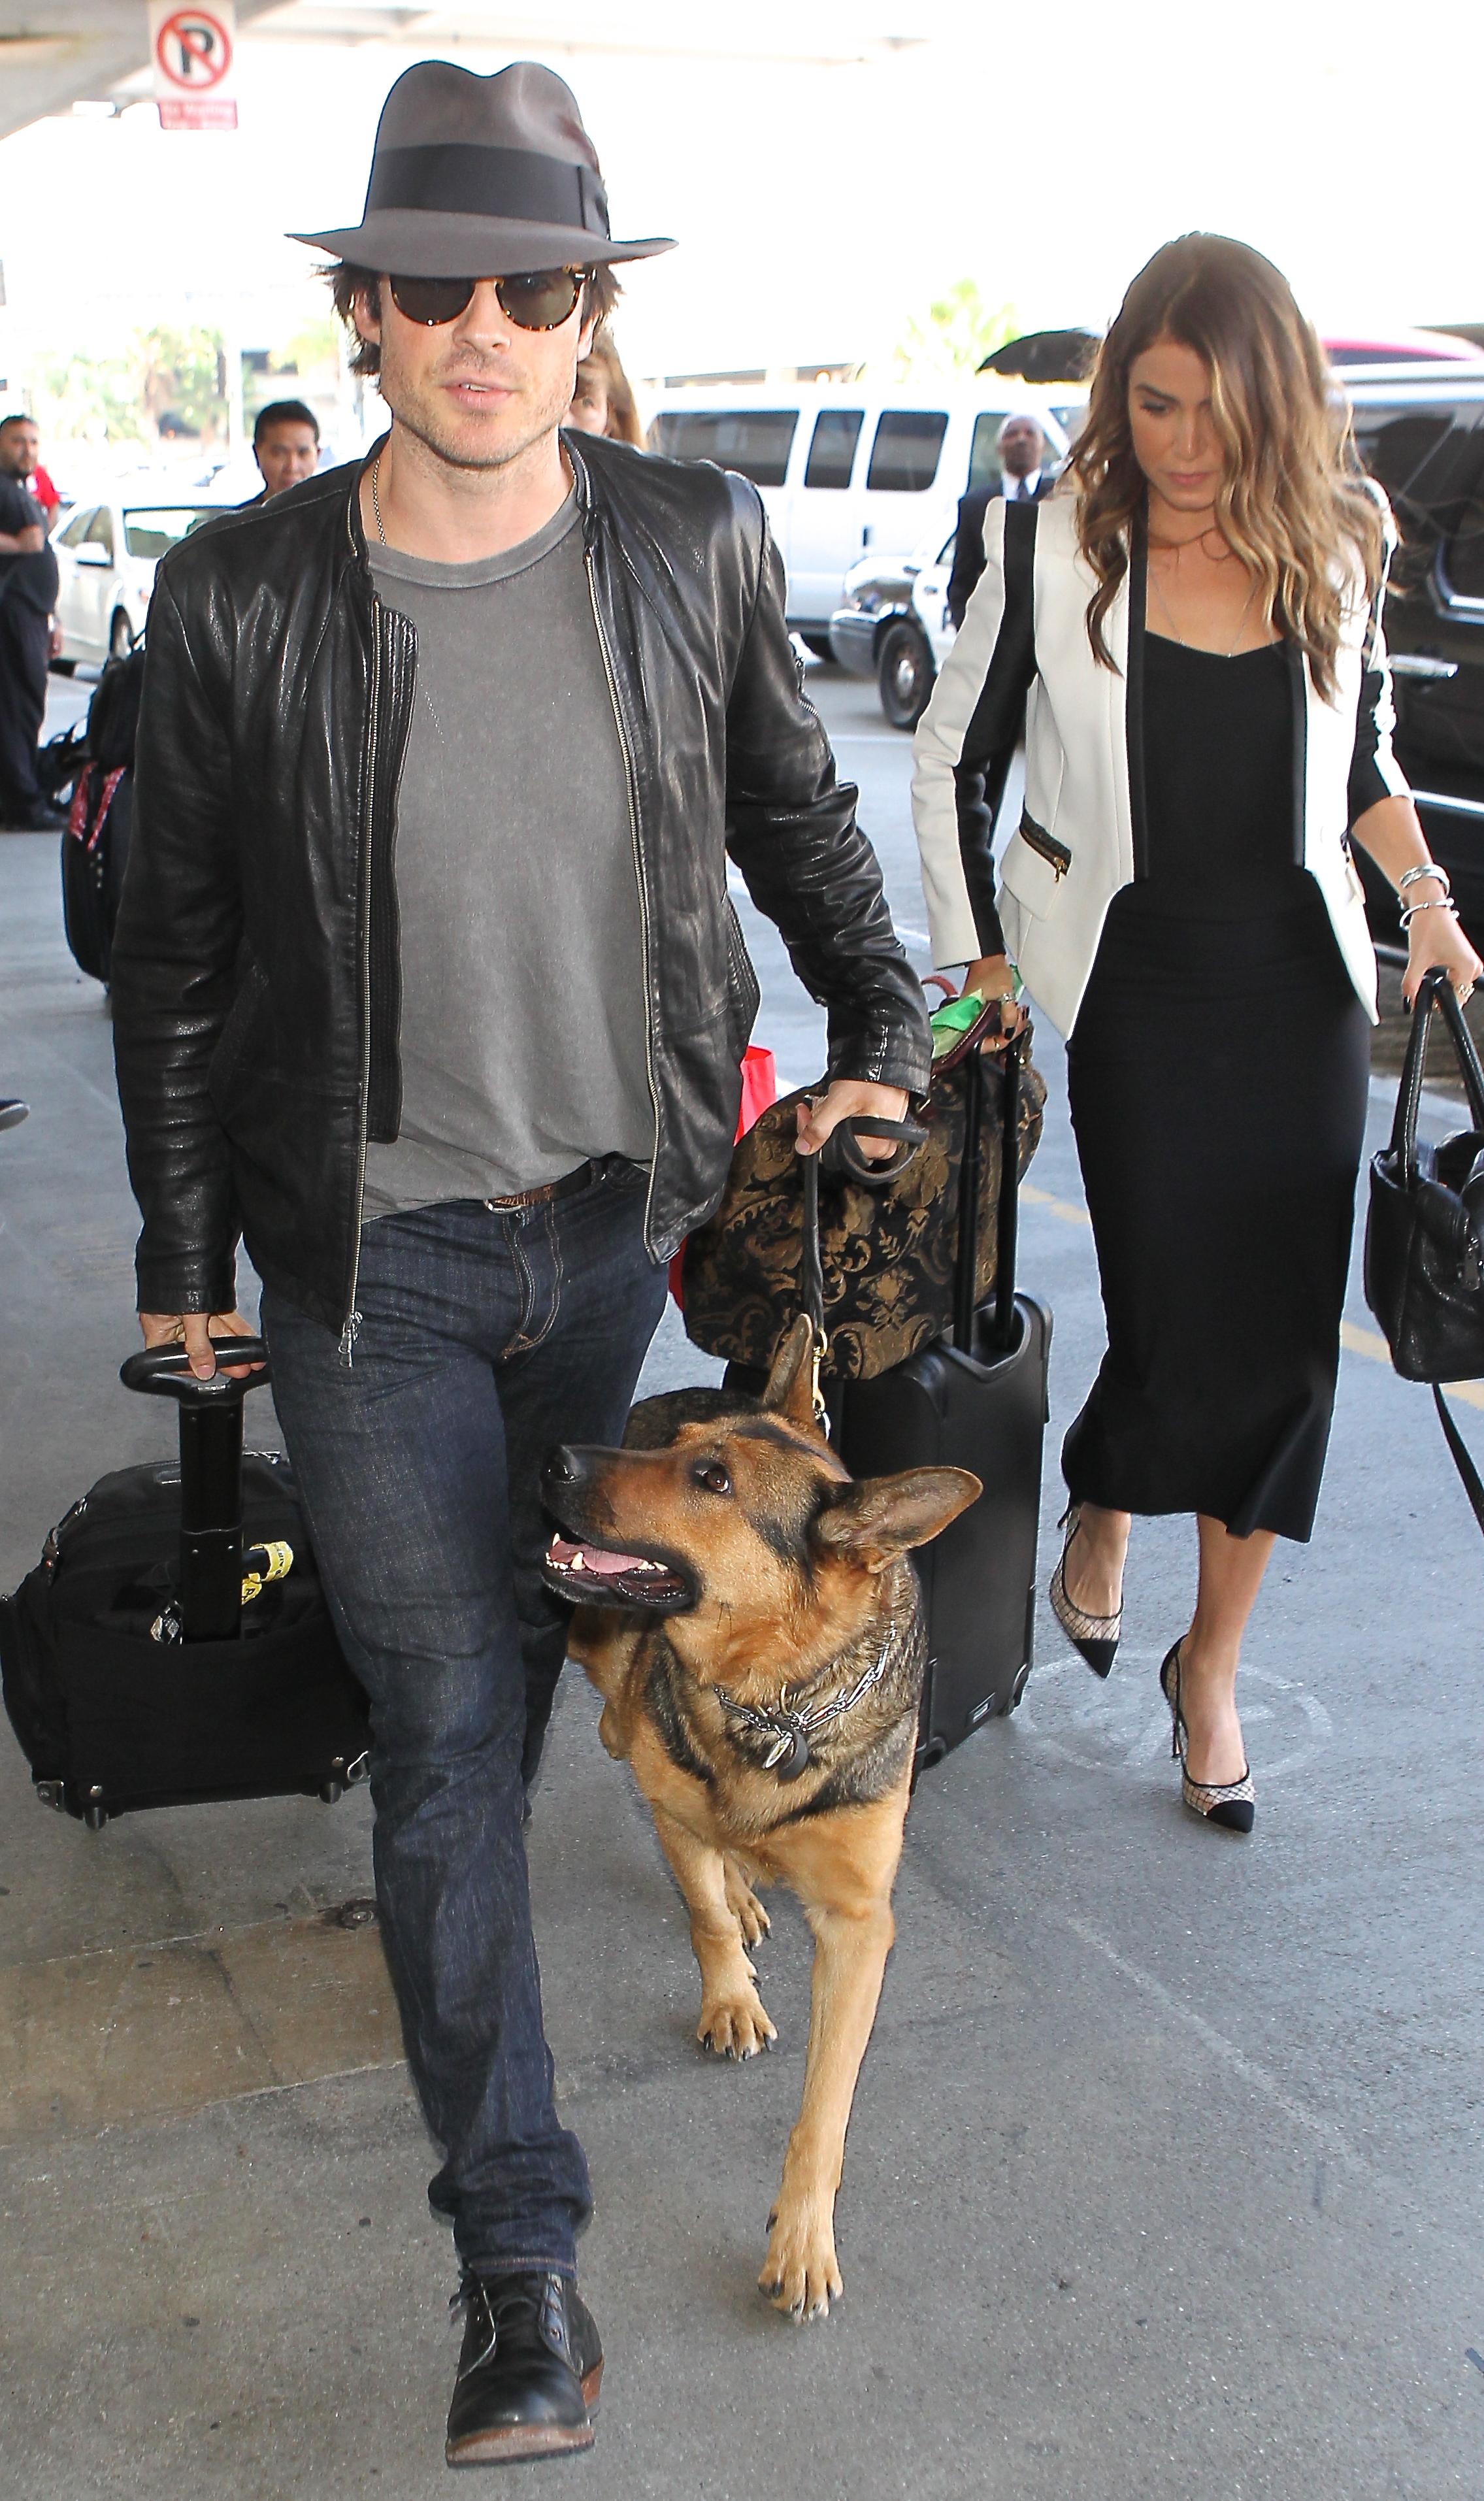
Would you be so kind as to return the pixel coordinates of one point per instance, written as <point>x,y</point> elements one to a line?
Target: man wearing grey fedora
<point>426,985</point>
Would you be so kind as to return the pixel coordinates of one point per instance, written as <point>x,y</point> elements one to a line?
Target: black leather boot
<point>528,2373</point>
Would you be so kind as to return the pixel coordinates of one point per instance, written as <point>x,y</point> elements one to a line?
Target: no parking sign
<point>193,49</point>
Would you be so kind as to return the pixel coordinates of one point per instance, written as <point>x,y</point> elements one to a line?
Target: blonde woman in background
<point>1195,616</point>
<point>603,402</point>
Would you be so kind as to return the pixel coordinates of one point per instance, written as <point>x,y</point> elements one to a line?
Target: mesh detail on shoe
<point>1201,1796</point>
<point>1074,1620</point>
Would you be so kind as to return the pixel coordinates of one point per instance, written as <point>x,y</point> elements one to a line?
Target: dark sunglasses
<point>541,299</point>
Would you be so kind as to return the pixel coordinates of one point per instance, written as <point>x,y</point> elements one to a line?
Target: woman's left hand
<point>1437,938</point>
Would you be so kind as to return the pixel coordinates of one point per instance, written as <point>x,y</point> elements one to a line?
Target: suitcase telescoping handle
<point>1005,1328</point>
<point>211,1475</point>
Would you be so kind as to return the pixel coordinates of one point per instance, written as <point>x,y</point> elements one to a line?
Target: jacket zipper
<point>352,1324</point>
<point>638,877</point>
<point>1045,845</point>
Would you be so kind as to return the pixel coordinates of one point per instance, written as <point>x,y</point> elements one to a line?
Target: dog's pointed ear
<point>790,1390</point>
<point>876,1519</point>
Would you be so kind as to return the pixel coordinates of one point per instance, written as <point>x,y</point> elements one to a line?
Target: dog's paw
<point>801,2273</point>
<point>751,1917</point>
<point>736,2028</point>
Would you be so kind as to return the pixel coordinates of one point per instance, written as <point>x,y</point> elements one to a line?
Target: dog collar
<point>791,1730</point>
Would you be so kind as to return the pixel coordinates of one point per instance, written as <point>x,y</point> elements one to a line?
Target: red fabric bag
<point>759,1090</point>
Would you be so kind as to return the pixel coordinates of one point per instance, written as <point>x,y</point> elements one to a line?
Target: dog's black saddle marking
<point>665,1711</point>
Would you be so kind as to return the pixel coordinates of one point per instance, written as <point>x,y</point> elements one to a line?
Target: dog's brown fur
<point>801,1578</point>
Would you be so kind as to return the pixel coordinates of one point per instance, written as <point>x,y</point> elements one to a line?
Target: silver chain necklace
<point>375,500</point>
<point>1158,590</point>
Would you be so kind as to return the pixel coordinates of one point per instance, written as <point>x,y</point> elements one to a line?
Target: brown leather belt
<point>563,1188</point>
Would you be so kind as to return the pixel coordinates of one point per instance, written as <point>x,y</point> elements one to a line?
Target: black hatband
<point>464,179</point>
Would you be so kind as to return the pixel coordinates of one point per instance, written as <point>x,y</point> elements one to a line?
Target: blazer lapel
<point>1130,658</point>
<point>1298,688</point>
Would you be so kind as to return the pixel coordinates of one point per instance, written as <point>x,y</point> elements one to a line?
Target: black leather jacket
<point>256,968</point>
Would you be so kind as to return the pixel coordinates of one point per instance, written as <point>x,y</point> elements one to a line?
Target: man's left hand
<point>849,1097</point>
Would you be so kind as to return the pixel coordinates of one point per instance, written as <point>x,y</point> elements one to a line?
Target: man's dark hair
<point>283,412</point>
<point>347,280</point>
<point>17,416</point>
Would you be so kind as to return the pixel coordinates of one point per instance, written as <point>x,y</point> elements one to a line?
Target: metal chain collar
<point>791,1730</point>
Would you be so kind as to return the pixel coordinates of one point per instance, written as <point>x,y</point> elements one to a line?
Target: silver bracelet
<point>1427,868</point>
<point>1442,904</point>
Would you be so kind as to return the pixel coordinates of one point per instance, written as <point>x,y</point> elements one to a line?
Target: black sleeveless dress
<point>1217,1074</point>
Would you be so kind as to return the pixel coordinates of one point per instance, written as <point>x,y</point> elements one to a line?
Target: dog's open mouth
<point>609,1579</point>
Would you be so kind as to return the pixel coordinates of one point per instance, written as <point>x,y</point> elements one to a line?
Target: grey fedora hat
<point>481,177</point>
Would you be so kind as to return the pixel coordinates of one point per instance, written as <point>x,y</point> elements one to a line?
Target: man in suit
<point>1028,474</point>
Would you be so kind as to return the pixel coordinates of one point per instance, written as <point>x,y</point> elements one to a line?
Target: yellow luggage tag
<point>271,1562</point>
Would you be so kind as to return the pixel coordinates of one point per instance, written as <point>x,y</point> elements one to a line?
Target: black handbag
<point>1424,1232</point>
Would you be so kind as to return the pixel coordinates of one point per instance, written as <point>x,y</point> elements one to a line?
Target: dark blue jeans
<point>486,1335</point>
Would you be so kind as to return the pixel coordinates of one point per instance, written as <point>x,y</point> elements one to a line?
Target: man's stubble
<point>417,406</point>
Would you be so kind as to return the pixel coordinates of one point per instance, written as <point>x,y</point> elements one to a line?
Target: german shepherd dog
<point>758,1643</point>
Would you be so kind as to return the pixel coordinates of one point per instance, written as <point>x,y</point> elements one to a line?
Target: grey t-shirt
<point>523,1034</point>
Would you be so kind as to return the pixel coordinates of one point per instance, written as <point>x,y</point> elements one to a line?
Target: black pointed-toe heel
<point>1233,1804</point>
<point>1096,1636</point>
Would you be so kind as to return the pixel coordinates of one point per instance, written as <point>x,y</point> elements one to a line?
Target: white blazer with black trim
<point>1022,653</point>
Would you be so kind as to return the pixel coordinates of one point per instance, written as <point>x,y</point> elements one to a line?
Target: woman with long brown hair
<point>1191,631</point>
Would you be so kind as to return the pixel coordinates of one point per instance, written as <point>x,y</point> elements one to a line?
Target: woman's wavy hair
<point>623,426</point>
<point>1292,504</point>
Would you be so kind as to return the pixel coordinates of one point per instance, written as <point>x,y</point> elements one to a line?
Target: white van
<point>843,469</point>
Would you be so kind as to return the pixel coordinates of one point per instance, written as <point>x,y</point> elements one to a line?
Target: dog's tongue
<point>595,1559</point>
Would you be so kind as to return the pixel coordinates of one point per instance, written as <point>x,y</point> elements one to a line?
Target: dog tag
<point>789,1756</point>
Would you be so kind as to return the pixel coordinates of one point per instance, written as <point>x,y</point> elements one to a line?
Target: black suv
<point>1422,435</point>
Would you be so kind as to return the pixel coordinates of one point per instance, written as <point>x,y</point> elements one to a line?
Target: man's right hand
<point>195,1330</point>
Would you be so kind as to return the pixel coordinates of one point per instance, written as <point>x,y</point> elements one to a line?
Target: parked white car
<point>106,555</point>
<point>893,624</point>
<point>846,469</point>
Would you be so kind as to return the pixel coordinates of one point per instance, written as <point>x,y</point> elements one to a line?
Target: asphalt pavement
<point>1164,2181</point>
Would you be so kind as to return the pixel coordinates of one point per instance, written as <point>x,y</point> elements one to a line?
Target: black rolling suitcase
<point>975,1400</point>
<point>174,1644</point>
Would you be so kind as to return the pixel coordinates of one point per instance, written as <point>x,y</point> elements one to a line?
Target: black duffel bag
<point>1425,1231</point>
<point>174,1644</point>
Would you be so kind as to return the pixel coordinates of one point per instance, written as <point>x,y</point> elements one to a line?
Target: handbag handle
<point>1433,990</point>
<point>842,1158</point>
<point>966,1275</point>
<point>1457,1451</point>
<point>847,1163</point>
<point>811,1261</point>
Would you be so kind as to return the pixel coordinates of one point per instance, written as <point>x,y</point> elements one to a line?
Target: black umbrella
<point>1046,357</point>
